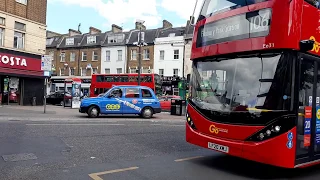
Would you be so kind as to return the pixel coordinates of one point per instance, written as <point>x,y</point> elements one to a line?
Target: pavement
<point>117,148</point>
<point>58,113</point>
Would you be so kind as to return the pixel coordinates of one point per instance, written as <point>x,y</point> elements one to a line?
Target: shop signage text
<point>13,61</point>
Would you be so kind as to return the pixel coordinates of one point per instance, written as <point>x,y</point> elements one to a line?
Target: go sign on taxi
<point>113,107</point>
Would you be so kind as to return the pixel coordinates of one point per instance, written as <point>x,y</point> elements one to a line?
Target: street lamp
<point>140,43</point>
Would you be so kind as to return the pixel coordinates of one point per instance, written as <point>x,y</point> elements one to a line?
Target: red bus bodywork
<point>101,83</point>
<point>291,22</point>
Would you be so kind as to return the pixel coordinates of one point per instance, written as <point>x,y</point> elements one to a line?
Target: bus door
<point>308,125</point>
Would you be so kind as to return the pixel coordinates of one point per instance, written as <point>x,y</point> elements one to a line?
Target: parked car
<point>165,102</point>
<point>57,98</point>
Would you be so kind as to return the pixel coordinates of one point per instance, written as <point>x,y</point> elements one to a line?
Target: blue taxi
<point>138,100</point>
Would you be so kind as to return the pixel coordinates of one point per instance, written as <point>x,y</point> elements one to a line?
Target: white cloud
<point>183,8</point>
<point>121,11</point>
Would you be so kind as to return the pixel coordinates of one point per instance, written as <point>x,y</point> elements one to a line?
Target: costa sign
<point>13,61</point>
<point>20,62</point>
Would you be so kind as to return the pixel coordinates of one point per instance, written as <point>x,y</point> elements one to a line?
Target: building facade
<point>114,52</point>
<point>75,54</point>
<point>188,45</point>
<point>22,43</point>
<point>168,52</point>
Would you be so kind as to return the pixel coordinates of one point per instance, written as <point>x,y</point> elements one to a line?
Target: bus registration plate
<point>218,147</point>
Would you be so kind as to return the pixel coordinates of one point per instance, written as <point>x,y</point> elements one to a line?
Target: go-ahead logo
<point>113,106</point>
<point>216,130</point>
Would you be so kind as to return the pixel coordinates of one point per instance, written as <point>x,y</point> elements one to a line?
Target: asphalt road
<point>120,150</point>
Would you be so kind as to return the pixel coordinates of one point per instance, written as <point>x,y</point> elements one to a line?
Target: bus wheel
<point>147,113</point>
<point>93,112</point>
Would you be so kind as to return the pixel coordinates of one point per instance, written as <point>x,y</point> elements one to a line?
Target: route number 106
<point>260,21</point>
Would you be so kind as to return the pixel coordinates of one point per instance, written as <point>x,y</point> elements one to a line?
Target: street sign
<point>46,63</point>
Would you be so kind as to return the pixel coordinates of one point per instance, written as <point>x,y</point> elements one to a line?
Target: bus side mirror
<point>306,45</point>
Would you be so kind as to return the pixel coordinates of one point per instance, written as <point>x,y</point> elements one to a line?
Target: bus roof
<point>132,86</point>
<point>259,25</point>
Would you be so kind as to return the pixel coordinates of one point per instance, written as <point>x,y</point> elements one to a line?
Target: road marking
<point>173,125</point>
<point>95,176</point>
<point>75,124</point>
<point>189,158</point>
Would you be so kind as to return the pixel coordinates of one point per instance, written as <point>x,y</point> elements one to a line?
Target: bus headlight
<point>190,122</point>
<point>276,127</point>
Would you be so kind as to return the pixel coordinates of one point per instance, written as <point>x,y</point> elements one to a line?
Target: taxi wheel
<point>93,112</point>
<point>147,113</point>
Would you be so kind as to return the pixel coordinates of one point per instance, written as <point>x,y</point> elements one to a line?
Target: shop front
<point>57,83</point>
<point>170,85</point>
<point>21,78</point>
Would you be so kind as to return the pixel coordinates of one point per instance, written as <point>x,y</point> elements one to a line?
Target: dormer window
<point>91,39</point>
<point>116,38</point>
<point>172,35</point>
<point>70,41</point>
<point>49,41</point>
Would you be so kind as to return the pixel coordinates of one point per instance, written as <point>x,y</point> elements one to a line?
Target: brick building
<point>75,54</point>
<point>22,42</point>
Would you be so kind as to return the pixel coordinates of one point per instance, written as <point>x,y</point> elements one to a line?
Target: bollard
<point>34,101</point>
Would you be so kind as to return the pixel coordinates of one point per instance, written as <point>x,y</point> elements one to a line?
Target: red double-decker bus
<point>101,83</point>
<point>254,89</point>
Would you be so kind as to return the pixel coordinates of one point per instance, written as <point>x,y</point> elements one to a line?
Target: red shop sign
<point>19,62</point>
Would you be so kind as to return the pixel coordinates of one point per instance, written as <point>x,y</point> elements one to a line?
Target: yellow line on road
<point>95,176</point>
<point>189,158</point>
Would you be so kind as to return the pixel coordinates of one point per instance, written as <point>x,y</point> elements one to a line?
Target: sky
<point>63,15</point>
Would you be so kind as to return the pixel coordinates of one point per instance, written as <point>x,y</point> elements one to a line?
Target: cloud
<point>183,8</point>
<point>121,11</point>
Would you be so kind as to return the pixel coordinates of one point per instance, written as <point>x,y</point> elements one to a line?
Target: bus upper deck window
<point>116,79</point>
<point>109,79</point>
<point>99,78</point>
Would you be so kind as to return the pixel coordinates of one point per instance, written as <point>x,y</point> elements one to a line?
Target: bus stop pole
<point>45,96</point>
<point>139,63</point>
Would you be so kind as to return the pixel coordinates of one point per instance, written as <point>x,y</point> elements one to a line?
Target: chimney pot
<point>116,29</point>
<point>166,24</point>
<point>93,30</point>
